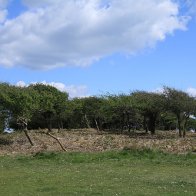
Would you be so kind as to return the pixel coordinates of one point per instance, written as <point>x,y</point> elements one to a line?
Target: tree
<point>75,114</point>
<point>167,121</point>
<point>19,103</point>
<point>52,103</point>
<point>182,105</point>
<point>2,107</point>
<point>150,105</point>
<point>61,108</point>
<point>2,119</point>
<point>125,112</point>
<point>91,110</point>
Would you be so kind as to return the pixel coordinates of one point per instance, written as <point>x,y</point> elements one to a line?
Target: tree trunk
<point>123,122</point>
<point>49,124</point>
<point>152,123</point>
<point>145,125</point>
<point>87,121</point>
<point>182,121</point>
<point>128,123</point>
<point>179,127</point>
<point>185,123</point>
<point>27,135</point>
<point>60,125</point>
<point>184,133</point>
<point>97,125</point>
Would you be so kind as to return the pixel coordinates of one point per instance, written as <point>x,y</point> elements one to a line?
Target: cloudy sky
<point>91,47</point>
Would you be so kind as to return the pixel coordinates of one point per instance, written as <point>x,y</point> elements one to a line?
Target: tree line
<point>43,106</point>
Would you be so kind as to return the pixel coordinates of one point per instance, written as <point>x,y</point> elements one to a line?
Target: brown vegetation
<point>89,140</point>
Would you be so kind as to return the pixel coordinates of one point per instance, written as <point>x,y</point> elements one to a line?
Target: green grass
<point>129,172</point>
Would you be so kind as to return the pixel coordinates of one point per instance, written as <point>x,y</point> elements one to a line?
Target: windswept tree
<point>75,114</point>
<point>4,88</point>
<point>91,109</point>
<point>52,103</point>
<point>182,105</point>
<point>19,103</point>
<point>5,100</point>
<point>167,121</point>
<point>61,106</point>
<point>150,105</point>
<point>123,111</point>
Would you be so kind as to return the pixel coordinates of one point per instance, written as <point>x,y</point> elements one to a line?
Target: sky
<point>94,47</point>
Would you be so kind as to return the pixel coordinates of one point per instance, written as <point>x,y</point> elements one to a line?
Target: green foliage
<point>191,124</point>
<point>51,103</point>
<point>179,102</point>
<point>182,105</point>
<point>44,106</point>
<point>167,121</point>
<point>150,105</point>
<point>120,112</point>
<point>1,124</point>
<point>19,103</point>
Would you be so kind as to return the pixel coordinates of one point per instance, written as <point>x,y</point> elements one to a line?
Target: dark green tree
<point>91,109</point>
<point>182,105</point>
<point>150,105</point>
<point>19,104</point>
<point>52,103</point>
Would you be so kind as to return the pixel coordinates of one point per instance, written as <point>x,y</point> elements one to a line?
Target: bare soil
<point>89,140</point>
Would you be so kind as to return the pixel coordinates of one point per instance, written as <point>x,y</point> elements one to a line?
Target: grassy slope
<point>108,173</point>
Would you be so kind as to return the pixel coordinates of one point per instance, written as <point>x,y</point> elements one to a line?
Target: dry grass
<point>91,141</point>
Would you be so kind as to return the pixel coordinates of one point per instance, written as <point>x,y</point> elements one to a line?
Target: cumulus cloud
<point>158,90</point>
<point>78,32</point>
<point>3,14</point>
<point>191,91</point>
<point>3,10</point>
<point>77,91</point>
<point>72,90</point>
<point>3,3</point>
<point>21,84</point>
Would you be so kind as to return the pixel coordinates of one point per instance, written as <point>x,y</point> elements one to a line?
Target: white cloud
<point>3,10</point>
<point>3,3</point>
<point>78,32</point>
<point>191,91</point>
<point>72,90</point>
<point>3,14</point>
<point>159,90</point>
<point>77,91</point>
<point>21,84</point>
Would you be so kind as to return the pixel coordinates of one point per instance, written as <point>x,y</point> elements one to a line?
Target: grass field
<point>127,172</point>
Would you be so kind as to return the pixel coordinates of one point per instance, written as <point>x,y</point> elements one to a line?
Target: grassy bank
<point>128,172</point>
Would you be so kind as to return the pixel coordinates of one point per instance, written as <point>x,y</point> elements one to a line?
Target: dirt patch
<point>89,140</point>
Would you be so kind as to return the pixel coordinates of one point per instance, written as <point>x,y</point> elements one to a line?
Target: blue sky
<point>103,51</point>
